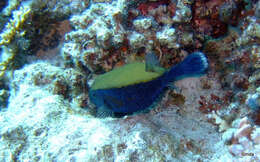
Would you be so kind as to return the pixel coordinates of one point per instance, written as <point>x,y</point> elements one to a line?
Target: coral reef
<point>142,24</point>
<point>4,94</point>
<point>50,50</point>
<point>10,30</point>
<point>69,136</point>
<point>251,32</point>
<point>11,6</point>
<point>183,13</point>
<point>3,4</point>
<point>215,102</point>
<point>244,142</point>
<point>253,101</point>
<point>212,17</point>
<point>46,122</point>
<point>21,33</point>
<point>68,83</point>
<point>99,47</point>
<point>14,25</point>
<point>94,37</point>
<point>61,8</point>
<point>257,10</point>
<point>168,37</point>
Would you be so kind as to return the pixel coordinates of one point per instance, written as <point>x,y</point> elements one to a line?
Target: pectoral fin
<point>112,102</point>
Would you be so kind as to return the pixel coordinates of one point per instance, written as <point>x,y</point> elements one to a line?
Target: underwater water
<point>140,80</point>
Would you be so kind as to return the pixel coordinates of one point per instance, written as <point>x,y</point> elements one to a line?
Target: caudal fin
<point>193,65</point>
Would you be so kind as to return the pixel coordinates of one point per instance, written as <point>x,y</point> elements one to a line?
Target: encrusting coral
<point>14,25</point>
<point>12,28</point>
<point>245,141</point>
<point>29,22</point>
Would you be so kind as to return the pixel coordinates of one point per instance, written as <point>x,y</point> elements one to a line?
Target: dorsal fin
<point>152,63</point>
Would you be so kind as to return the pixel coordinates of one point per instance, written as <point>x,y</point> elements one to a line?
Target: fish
<point>134,87</point>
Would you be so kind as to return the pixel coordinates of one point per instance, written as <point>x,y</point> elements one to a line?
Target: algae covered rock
<point>68,83</point>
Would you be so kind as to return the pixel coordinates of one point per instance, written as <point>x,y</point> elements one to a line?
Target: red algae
<point>214,102</point>
<point>213,17</point>
<point>145,7</point>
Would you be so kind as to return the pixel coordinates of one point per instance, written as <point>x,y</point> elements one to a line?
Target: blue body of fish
<point>139,96</point>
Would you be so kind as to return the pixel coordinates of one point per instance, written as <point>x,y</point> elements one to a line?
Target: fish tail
<point>193,65</point>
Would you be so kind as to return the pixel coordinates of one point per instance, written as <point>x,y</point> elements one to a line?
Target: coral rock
<point>136,40</point>
<point>168,37</point>
<point>244,121</point>
<point>253,101</point>
<point>244,131</point>
<point>236,149</point>
<point>183,13</point>
<point>143,24</point>
<point>256,136</point>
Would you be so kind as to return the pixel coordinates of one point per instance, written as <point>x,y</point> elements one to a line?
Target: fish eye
<point>92,94</point>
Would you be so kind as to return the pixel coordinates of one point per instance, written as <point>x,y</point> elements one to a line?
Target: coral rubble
<point>245,141</point>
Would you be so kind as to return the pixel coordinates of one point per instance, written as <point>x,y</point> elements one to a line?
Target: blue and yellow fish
<point>136,86</point>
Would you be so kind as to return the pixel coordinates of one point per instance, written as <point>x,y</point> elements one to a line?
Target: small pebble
<point>244,131</point>
<point>246,143</point>
<point>236,149</point>
<point>244,121</point>
<point>256,136</point>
